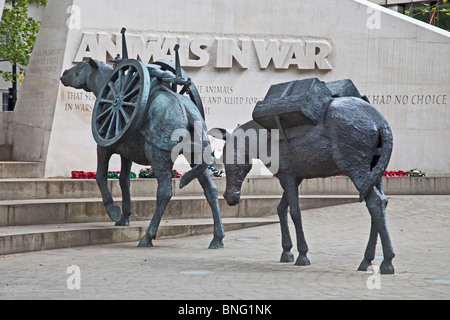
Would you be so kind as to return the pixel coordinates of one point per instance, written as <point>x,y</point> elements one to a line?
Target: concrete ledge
<point>17,169</point>
<point>36,212</point>
<point>36,238</point>
<point>438,185</point>
<point>16,189</point>
<point>5,152</point>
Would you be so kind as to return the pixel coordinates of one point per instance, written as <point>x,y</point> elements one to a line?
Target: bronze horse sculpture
<point>350,137</point>
<point>140,130</point>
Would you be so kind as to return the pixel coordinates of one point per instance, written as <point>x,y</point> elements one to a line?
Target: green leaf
<point>17,36</point>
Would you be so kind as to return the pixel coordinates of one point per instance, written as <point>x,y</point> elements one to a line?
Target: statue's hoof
<point>183,182</point>
<point>287,256</point>
<point>366,265</point>
<point>386,267</point>
<point>123,222</point>
<point>145,242</point>
<point>114,213</point>
<point>216,244</point>
<point>302,260</point>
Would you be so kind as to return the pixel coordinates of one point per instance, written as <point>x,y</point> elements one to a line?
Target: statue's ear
<point>93,63</point>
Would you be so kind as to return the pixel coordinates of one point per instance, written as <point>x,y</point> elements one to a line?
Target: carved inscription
<point>408,100</point>
<point>45,61</point>
<point>216,95</point>
<point>38,99</point>
<point>199,51</point>
<point>78,100</point>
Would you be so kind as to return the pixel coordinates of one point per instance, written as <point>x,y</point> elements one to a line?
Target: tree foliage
<point>17,36</point>
<point>428,8</point>
<point>430,11</point>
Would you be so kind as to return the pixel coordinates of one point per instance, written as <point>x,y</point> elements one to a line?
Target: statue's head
<point>87,75</point>
<point>236,161</point>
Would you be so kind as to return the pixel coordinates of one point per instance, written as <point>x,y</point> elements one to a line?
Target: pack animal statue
<point>323,132</point>
<point>136,111</point>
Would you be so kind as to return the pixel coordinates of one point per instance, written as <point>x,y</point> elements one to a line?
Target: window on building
<point>5,99</point>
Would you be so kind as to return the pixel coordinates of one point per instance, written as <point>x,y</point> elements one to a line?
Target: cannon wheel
<point>190,90</point>
<point>121,102</point>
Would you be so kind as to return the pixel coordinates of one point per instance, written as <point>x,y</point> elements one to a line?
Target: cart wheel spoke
<point>106,101</point>
<point>125,115</point>
<point>111,127</point>
<point>129,104</point>
<point>128,78</point>
<point>111,86</point>
<point>104,114</point>
<point>120,80</point>
<point>118,123</point>
<point>105,125</point>
<point>132,93</point>
<point>132,83</point>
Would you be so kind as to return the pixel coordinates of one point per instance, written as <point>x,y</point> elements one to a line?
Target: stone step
<point>15,240</point>
<point>83,210</point>
<point>19,169</point>
<point>6,152</point>
<point>18,189</point>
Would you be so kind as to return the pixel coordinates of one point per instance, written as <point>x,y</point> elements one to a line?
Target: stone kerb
<point>26,189</point>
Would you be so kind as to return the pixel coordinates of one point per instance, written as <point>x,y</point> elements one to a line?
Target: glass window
<point>5,98</point>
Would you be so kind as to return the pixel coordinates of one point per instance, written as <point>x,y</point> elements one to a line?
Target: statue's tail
<point>200,150</point>
<point>195,172</point>
<point>199,168</point>
<point>380,160</point>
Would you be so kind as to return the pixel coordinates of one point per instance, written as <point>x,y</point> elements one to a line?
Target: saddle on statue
<point>300,102</point>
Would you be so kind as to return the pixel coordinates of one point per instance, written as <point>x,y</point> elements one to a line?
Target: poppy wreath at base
<point>92,175</point>
<point>150,173</point>
<point>400,173</point>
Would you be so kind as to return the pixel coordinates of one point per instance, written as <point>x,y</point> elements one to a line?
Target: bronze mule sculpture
<point>352,138</point>
<point>148,139</point>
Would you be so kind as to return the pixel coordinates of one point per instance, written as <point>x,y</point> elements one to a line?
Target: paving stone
<point>419,227</point>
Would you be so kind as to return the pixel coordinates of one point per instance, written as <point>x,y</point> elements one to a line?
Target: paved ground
<point>248,267</point>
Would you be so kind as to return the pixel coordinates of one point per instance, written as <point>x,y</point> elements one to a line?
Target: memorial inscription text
<point>408,100</point>
<point>198,52</point>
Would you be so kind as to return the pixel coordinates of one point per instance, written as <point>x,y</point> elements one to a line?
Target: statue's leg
<point>210,191</point>
<point>162,166</point>
<point>124,182</point>
<point>286,241</point>
<point>290,186</point>
<point>369,254</point>
<point>163,195</point>
<point>376,202</point>
<point>103,156</point>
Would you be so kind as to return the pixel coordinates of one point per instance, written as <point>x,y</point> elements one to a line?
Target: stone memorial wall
<point>234,50</point>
